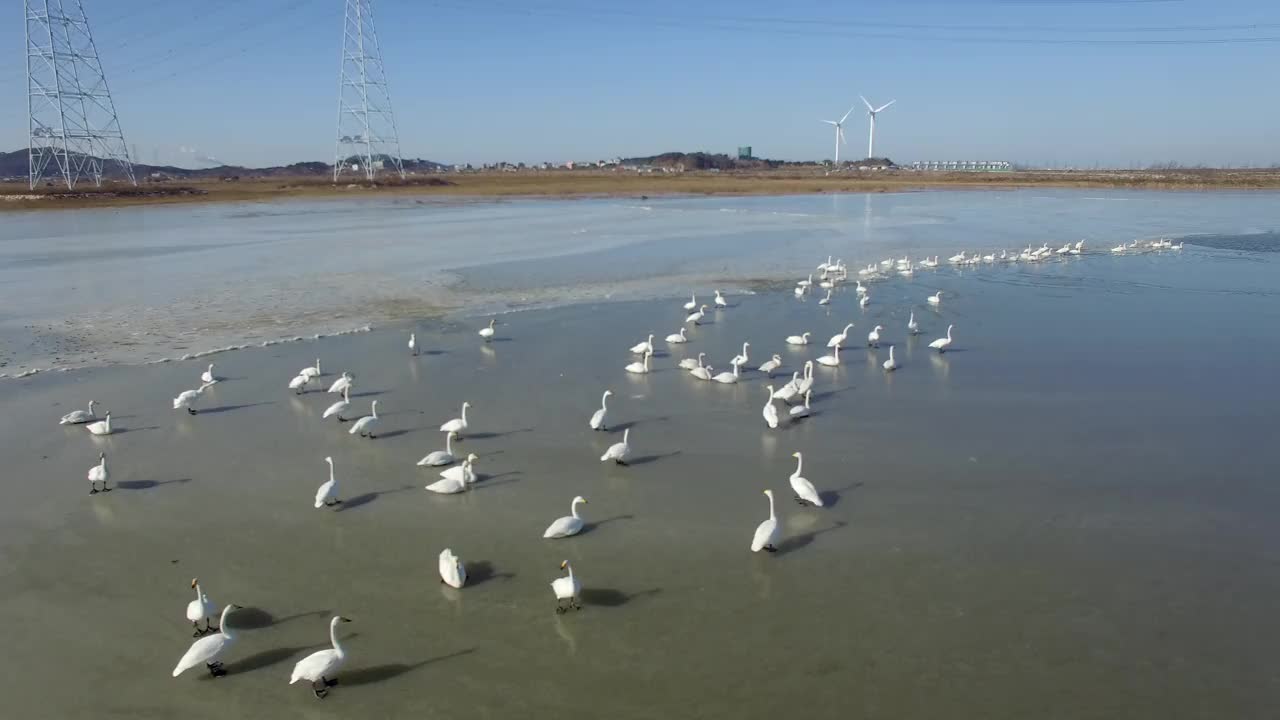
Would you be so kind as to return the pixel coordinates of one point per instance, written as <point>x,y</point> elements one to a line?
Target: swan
<point>839,338</point>
<point>337,408</point>
<point>619,452</point>
<point>693,302</point>
<point>826,300</point>
<point>907,271</point>
<point>102,427</point>
<point>311,372</point>
<point>208,377</point>
<point>823,267</point>
<point>1064,249</point>
<point>767,532</point>
<point>413,343</point>
<point>202,608</point>
<point>741,359</point>
<point>487,332</point>
<point>801,411</point>
<point>696,317</point>
<point>639,368</point>
<point>327,493</point>
<point>80,417</point>
<point>341,383</point>
<point>720,301</point>
<point>864,301</point>
<point>298,384</point>
<point>798,339</point>
<point>598,417</point>
<point>319,665</point>
<point>207,649</point>
<point>365,426</point>
<point>913,327</point>
<point>826,285</point>
<point>831,360</point>
<point>806,282</point>
<point>873,337</point>
<point>790,390</point>
<point>457,425</point>
<point>571,524</point>
<point>890,365</point>
<point>456,479</point>
<point>861,289</point>
<point>643,347</point>
<point>800,291</point>
<point>1119,248</point>
<point>989,258</point>
<point>941,344</point>
<point>702,372</point>
<point>727,378</point>
<point>957,259</point>
<point>566,588</point>
<point>677,338</point>
<point>868,270</point>
<point>1175,247</point>
<point>690,363</point>
<point>771,364</point>
<point>99,474</point>
<point>806,382</point>
<point>805,492</point>
<point>936,298</point>
<point>437,458</point>
<point>188,398</point>
<point>770,412</point>
<point>452,572</point>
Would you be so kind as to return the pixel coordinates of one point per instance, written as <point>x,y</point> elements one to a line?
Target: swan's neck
<point>573,510</point>
<point>772,516</point>
<point>222,622</point>
<point>333,638</point>
<point>799,465</point>
<point>948,332</point>
<point>448,443</point>
<point>199,595</point>
<point>625,435</point>
<point>375,411</point>
<point>570,569</point>
<point>604,402</point>
<point>464,414</point>
<point>331,472</point>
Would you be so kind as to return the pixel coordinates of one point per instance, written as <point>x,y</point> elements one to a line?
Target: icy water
<point>94,287</point>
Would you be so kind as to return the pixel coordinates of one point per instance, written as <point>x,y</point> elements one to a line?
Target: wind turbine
<point>839,125</point>
<point>871,112</point>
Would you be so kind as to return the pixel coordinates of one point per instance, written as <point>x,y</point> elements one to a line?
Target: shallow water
<point>1069,515</point>
<point>105,286</point>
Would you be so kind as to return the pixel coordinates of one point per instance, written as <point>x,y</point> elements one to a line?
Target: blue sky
<point>1079,82</point>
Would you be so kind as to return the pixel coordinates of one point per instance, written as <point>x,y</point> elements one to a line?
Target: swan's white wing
<point>771,415</point>
<point>563,527</point>
<point>805,490</point>
<point>324,492</point>
<point>565,588</point>
<point>597,419</point>
<point>451,570</point>
<point>437,457</point>
<point>315,666</point>
<point>615,451</point>
<point>201,651</point>
<point>335,409</point>
<point>766,533</point>
<point>447,486</point>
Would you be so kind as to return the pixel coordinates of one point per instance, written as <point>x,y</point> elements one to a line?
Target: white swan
<point>693,302</point>
<point>188,398</point>
<point>702,372</point>
<point>801,411</point>
<point>571,524</point>
<point>311,372</point>
<point>806,282</point>
<point>696,317</point>
<point>639,368</point>
<point>677,338</point>
<point>720,301</point>
<point>770,412</point>
<point>456,479</point>
<point>208,377</point>
<point>458,425</point>
<point>327,493</point>
<point>788,391</point>
<point>913,327</point>
<point>890,365</point>
<point>798,339</point>
<point>342,383</point>
<point>741,359</point>
<point>335,410</point>
<point>487,332</point>
<point>826,300</point>
<point>873,337</point>
<point>861,289</point>
<point>957,259</point>
<point>771,364</point>
<point>831,360</point>
<point>864,301</point>
<point>207,649</point>
<point>767,531</point>
<point>806,382</point>
<point>202,608</point>
<point>598,417</point>
<point>99,474</point>
<point>823,267</point>
<point>1119,248</point>
<point>619,452</point>
<point>800,291</point>
<point>452,572</point>
<point>102,427</point>
<point>941,344</point>
<point>643,347</point>
<point>691,363</point>
<point>298,384</point>
<point>805,492</point>
<point>839,338</point>
<point>436,458</point>
<point>727,378</point>
<point>319,666</point>
<point>936,298</point>
<point>365,426</point>
<point>566,588</point>
<point>79,417</point>
<point>413,343</point>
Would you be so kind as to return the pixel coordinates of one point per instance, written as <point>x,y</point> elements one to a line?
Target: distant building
<point>962,165</point>
<point>744,152</point>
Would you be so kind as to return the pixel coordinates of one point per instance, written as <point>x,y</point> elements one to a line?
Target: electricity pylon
<point>367,138</point>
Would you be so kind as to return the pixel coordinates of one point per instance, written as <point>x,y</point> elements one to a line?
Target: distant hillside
<point>14,165</point>
<point>721,161</point>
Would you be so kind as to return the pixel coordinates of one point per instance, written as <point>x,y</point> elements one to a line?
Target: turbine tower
<point>73,121</point>
<point>367,136</point>
<point>872,112</point>
<point>839,125</point>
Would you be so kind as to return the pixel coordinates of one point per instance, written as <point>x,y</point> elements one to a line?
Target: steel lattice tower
<point>367,136</point>
<point>73,119</point>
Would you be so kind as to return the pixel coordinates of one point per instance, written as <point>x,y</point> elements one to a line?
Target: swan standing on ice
<point>861,289</point>
<point>99,474</point>
<point>890,365</point>
<point>826,300</point>
<point>771,364</point>
<point>413,343</point>
<point>677,338</point>
<point>327,493</point>
<point>691,363</point>
<point>727,378</point>
<point>207,377</point>
<point>693,302</point>
<point>801,411</point>
<point>487,332</point>
<point>643,347</point>
<point>806,382</point>
<point>79,417</point>
<point>767,532</point>
<point>571,524</point>
<point>741,359</point>
<point>702,372</point>
<point>365,426</point>
<point>790,390</point>
<point>864,301</point>
<point>208,649</point>
<point>696,317</point>
<point>598,418</point>
<point>298,384</point>
<point>770,412</point>
<point>341,384</point>
<point>639,368</point>
<point>839,338</point>
<point>320,665</point>
<point>798,339</point>
<point>455,479</point>
<point>459,424</point>
<point>913,327</point>
<point>831,360</point>
<point>102,427</point>
<point>720,301</point>
<point>936,298</point>
<point>941,344</point>
<point>188,398</point>
<point>619,452</point>
<point>806,282</point>
<point>452,572</point>
<point>438,458</point>
<point>202,608</point>
<point>311,372</point>
<point>566,588</point>
<point>805,492</point>
<point>873,337</point>
<point>335,410</point>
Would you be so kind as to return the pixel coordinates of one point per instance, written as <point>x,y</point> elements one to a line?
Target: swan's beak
<point>194,581</point>
<point>796,454</point>
<point>564,564</point>
<point>344,619</point>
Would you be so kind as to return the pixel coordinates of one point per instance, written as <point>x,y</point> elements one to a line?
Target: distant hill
<point>14,165</point>
<point>721,161</point>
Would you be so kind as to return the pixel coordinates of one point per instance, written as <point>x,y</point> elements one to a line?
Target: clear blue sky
<point>1072,82</point>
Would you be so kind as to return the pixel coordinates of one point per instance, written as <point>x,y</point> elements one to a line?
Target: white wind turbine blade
<point>868,104</point>
<point>885,105</point>
<point>829,122</point>
<point>846,115</point>
<point>840,132</point>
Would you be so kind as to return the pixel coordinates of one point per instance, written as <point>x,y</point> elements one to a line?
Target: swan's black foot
<point>560,609</point>
<point>216,669</point>
<point>770,548</point>
<point>341,419</point>
<point>621,462</point>
<point>371,436</point>
<point>576,605</point>
<point>320,690</point>
<point>105,488</point>
<point>93,491</point>
<point>191,411</point>
<point>329,683</point>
